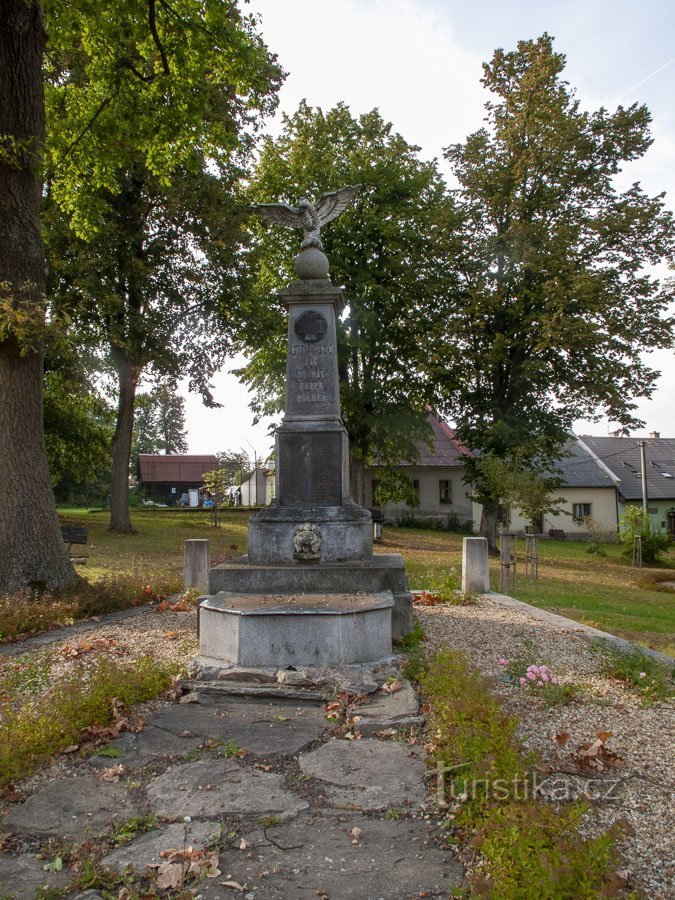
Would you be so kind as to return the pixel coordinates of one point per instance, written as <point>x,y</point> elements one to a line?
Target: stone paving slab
<point>145,746</point>
<point>213,789</point>
<point>21,876</point>
<point>368,774</point>
<point>381,711</point>
<point>389,860</point>
<point>262,727</point>
<point>144,850</point>
<point>76,808</point>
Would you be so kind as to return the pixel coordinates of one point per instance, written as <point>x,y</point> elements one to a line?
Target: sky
<point>419,62</point>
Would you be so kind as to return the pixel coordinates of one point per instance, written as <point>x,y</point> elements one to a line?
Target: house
<point>589,497</point>
<point>437,476</point>
<point>622,456</point>
<point>176,479</point>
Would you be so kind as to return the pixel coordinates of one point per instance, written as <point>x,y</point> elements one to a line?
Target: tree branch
<point>152,21</point>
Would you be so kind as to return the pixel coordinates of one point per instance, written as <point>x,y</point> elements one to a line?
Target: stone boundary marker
<point>585,631</point>
<point>475,569</point>
<point>196,564</point>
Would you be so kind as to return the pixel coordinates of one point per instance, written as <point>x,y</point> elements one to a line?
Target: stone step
<point>247,689</point>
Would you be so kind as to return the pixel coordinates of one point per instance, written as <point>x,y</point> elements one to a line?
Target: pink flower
<point>643,674</point>
<point>523,680</point>
<point>503,662</point>
<point>544,676</point>
<point>530,675</point>
<point>554,679</point>
<point>540,684</point>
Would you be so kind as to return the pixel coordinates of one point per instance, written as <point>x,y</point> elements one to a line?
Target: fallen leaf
<point>171,635</point>
<point>392,688</point>
<point>244,844</point>
<point>604,735</point>
<point>263,767</point>
<point>234,885</point>
<point>113,774</point>
<point>170,875</point>
<point>356,834</point>
<point>561,738</point>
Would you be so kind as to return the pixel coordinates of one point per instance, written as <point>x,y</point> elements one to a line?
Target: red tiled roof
<point>180,468</point>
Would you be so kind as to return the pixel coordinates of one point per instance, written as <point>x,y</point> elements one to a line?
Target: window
<point>416,489</point>
<point>444,490</point>
<point>581,511</point>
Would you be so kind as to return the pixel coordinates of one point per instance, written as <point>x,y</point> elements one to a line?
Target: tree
<point>32,552</point>
<point>385,253</point>
<point>159,424</point>
<point>235,466</point>
<point>514,486</point>
<point>152,111</point>
<point>554,304</point>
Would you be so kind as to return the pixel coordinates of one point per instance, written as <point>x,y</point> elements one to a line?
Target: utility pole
<point>643,465</point>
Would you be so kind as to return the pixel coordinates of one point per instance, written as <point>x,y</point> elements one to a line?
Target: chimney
<point>655,435</point>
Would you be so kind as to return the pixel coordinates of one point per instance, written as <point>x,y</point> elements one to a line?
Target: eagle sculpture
<point>309,216</point>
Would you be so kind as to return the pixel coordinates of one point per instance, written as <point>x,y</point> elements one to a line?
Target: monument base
<point>303,630</point>
<point>382,572</point>
<point>346,534</point>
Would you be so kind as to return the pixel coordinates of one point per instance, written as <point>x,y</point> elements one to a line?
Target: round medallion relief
<point>311,327</point>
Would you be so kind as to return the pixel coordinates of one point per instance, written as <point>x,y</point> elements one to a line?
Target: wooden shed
<point>176,479</point>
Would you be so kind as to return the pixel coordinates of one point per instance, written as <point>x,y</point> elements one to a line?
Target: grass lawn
<point>156,548</point>
<point>603,591</point>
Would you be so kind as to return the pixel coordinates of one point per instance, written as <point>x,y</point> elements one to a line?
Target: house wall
<point>603,511</point>
<point>429,494</point>
<point>658,512</point>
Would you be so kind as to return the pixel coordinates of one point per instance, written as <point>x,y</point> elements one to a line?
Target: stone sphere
<point>311,263</point>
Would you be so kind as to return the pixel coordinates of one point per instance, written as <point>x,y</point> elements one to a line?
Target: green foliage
<point>641,672</point>
<point>231,749</point>
<point>32,734</point>
<point>554,308</point>
<point>530,849</point>
<point>125,832</point>
<point>125,97</point>
<point>514,484</point>
<point>235,466</point>
<point>448,522</point>
<point>385,252</point>
<point>635,521</point>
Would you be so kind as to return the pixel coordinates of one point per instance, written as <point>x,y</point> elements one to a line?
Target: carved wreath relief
<point>307,541</point>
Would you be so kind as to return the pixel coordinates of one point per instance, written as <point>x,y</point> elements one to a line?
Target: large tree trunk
<point>128,374</point>
<point>32,552</point>
<point>488,525</point>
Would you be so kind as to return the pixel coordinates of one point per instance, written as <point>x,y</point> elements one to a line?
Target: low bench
<point>73,534</point>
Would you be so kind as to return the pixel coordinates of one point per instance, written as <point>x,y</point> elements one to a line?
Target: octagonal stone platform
<point>301,630</point>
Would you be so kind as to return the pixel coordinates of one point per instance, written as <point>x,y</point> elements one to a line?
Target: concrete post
<point>196,565</point>
<point>475,571</point>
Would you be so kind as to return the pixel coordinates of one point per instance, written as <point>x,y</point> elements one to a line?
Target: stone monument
<point>310,591</point>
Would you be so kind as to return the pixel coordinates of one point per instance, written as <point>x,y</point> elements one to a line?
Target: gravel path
<point>641,789</point>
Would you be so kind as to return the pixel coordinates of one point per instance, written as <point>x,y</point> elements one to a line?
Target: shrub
<point>530,848</point>
<point>54,721</point>
<point>635,521</point>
